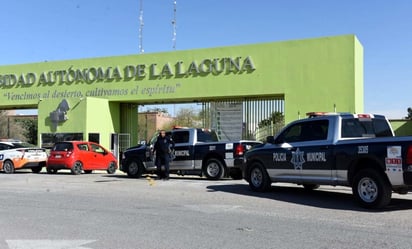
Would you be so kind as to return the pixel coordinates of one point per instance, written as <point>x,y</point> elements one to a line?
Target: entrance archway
<point>101,95</point>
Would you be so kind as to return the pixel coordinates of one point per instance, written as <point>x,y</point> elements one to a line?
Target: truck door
<point>308,151</point>
<point>183,150</point>
<point>287,158</point>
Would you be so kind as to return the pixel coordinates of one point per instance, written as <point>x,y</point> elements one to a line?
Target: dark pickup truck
<point>197,152</point>
<point>355,150</point>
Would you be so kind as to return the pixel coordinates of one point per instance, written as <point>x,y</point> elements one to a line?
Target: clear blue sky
<point>39,30</point>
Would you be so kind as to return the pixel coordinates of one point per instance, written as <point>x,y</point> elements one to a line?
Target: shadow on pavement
<point>172,177</point>
<point>315,198</point>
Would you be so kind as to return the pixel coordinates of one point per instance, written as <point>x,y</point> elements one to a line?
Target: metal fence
<point>254,111</point>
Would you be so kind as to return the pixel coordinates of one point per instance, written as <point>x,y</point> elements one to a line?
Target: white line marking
<point>48,244</point>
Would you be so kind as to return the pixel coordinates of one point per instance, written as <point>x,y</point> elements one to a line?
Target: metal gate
<point>124,142</point>
<point>258,117</point>
<point>119,143</point>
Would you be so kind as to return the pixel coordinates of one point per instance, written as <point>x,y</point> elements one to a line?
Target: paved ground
<point>113,211</point>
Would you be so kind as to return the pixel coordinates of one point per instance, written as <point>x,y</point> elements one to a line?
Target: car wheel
<point>371,189</point>
<point>77,168</point>
<point>51,171</point>
<point>8,167</point>
<point>135,169</point>
<point>112,168</point>
<point>214,169</point>
<point>311,186</point>
<point>36,169</point>
<point>258,178</point>
<point>88,171</point>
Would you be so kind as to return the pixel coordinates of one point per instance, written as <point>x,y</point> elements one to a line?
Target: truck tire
<point>371,189</point>
<point>258,178</point>
<point>214,169</point>
<point>135,169</point>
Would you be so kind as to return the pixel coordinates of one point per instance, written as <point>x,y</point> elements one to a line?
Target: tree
<point>4,128</point>
<point>409,113</point>
<point>270,126</point>
<point>30,130</point>
<point>187,117</point>
<point>275,118</point>
<point>9,127</point>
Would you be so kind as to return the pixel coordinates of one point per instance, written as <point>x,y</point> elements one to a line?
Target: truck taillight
<point>409,156</point>
<point>239,150</point>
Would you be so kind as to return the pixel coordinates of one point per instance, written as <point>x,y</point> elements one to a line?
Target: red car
<point>80,156</point>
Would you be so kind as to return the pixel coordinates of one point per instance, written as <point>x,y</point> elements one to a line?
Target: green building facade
<point>95,98</point>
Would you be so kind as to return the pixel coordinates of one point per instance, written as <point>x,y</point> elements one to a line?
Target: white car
<point>21,155</point>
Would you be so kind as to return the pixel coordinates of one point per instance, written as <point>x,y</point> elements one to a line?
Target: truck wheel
<point>134,169</point>
<point>258,178</point>
<point>8,167</point>
<point>214,169</point>
<point>371,189</point>
<point>77,168</point>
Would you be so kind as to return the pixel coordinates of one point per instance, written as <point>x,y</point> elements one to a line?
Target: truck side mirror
<point>142,142</point>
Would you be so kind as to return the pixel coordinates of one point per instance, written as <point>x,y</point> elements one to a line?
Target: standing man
<point>163,147</point>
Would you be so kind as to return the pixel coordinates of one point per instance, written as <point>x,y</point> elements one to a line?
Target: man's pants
<point>163,160</point>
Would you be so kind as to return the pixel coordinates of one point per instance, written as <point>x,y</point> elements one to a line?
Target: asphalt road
<point>112,211</point>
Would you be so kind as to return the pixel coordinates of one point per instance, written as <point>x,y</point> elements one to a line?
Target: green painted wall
<point>100,119</point>
<point>76,116</point>
<point>321,74</point>
<point>88,115</point>
<point>402,127</point>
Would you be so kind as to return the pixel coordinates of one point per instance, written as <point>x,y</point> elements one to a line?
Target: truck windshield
<point>365,128</point>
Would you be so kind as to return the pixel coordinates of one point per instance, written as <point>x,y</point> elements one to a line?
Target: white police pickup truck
<point>355,150</point>
<point>196,152</point>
